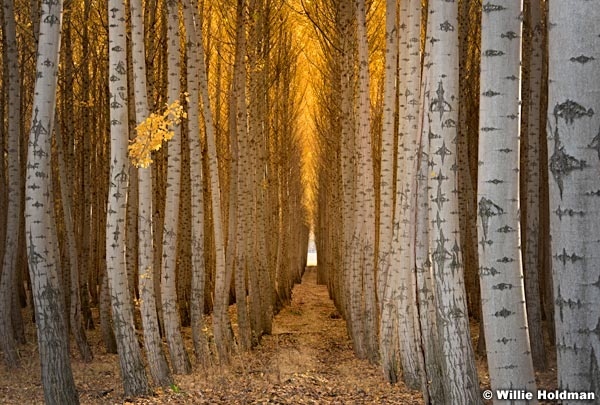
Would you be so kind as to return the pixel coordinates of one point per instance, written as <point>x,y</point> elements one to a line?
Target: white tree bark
<point>40,226</point>
<point>388,332</point>
<point>365,198</point>
<point>179,358</point>
<point>432,388</point>
<point>574,164</point>
<point>196,177</point>
<point>460,382</point>
<point>501,275</point>
<point>133,374</point>
<point>409,142</point>
<point>157,362</point>
<point>240,161</point>
<point>221,322</point>
<point>257,65</point>
<point>348,170</point>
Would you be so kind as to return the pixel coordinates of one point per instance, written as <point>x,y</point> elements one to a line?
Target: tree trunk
<point>501,276</point>
<point>133,374</point>
<point>131,226</point>
<point>433,387</point>
<point>40,226</point>
<point>441,73</point>
<point>468,123</point>
<point>403,244</point>
<point>14,191</point>
<point>106,328</point>
<point>157,362</point>
<point>3,157</point>
<point>574,163</point>
<point>256,248</point>
<point>351,303</point>
<point>239,136</point>
<point>197,190</point>
<point>87,186</point>
<point>365,197</point>
<point>179,358</point>
<point>221,321</point>
<point>388,332</point>
<point>75,314</point>
<point>531,265</point>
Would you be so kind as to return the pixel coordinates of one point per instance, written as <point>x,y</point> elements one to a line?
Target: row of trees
<point>155,219</point>
<point>447,194</point>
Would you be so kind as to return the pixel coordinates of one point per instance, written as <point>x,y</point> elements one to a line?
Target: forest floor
<point>308,359</point>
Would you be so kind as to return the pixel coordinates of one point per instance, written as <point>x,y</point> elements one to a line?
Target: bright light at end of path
<point>311,258</point>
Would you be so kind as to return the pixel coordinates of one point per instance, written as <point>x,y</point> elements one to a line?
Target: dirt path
<point>308,359</point>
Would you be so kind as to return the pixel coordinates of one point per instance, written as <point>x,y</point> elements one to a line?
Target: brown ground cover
<point>308,359</point>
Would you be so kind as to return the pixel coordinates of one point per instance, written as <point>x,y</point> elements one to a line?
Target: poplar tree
<point>459,375</point>
<point>40,227</point>
<point>133,374</point>
<point>501,274</point>
<point>574,163</point>
<point>157,362</point>
<point>179,358</point>
<point>8,282</point>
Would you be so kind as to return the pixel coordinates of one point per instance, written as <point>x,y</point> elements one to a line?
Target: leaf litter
<point>308,359</point>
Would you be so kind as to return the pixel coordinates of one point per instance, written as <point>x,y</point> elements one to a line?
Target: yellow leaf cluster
<point>152,132</point>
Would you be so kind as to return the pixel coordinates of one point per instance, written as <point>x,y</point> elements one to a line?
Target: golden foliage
<point>152,132</point>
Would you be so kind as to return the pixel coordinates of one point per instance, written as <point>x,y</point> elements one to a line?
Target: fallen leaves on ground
<point>308,359</point>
